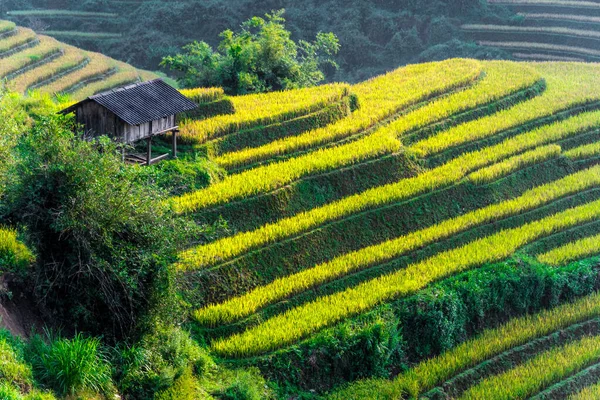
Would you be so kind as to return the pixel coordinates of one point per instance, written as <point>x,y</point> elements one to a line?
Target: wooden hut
<point>133,113</point>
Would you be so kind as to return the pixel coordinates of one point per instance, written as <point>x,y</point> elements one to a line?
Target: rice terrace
<point>268,218</point>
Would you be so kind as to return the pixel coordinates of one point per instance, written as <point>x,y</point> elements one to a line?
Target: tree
<point>104,240</point>
<point>261,57</point>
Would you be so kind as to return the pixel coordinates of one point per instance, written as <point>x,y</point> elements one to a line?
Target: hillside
<point>375,36</point>
<point>545,30</point>
<point>363,240</point>
<point>29,61</point>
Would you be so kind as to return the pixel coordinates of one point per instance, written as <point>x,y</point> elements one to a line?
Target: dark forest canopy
<point>375,35</point>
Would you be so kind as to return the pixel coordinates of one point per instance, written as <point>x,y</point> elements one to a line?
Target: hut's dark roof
<point>142,102</point>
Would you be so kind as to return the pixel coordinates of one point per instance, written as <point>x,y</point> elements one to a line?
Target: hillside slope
<point>373,226</point>
<point>29,61</point>
<point>545,30</point>
<point>375,36</point>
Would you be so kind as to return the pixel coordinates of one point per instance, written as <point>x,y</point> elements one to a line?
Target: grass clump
<point>71,367</point>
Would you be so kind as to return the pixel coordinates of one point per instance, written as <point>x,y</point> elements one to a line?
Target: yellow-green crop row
<point>589,393</point>
<point>6,26</point>
<point>98,65</point>
<point>270,177</point>
<point>435,371</point>
<point>273,176</point>
<point>572,251</point>
<point>263,109</point>
<point>541,46</point>
<point>203,95</point>
<point>380,98</point>
<point>46,47</point>
<point>503,168</point>
<point>533,29</point>
<point>452,172</point>
<point>23,36</point>
<point>568,85</point>
<point>245,305</point>
<point>537,373</point>
<point>585,151</point>
<point>13,251</point>
<point>306,319</point>
<point>71,58</point>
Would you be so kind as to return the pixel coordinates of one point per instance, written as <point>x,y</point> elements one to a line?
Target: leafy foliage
<point>104,243</point>
<point>261,57</point>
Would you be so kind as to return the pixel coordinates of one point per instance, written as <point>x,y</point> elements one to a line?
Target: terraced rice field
<point>29,61</point>
<point>346,203</point>
<point>549,30</point>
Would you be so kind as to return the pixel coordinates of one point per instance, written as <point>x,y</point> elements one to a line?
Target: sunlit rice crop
<point>446,174</point>
<point>572,251</point>
<point>568,84</point>
<point>537,373</point>
<point>263,109</point>
<point>380,98</point>
<point>46,47</point>
<point>503,168</point>
<point>308,318</point>
<point>23,36</point>
<point>246,304</point>
<point>433,372</point>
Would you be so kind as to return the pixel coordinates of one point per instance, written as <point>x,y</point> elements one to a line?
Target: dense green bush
<point>176,177</point>
<point>104,241</point>
<point>158,362</point>
<point>261,57</point>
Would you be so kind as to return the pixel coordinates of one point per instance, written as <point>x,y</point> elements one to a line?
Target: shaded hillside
<point>375,35</point>
<point>545,30</point>
<point>29,61</point>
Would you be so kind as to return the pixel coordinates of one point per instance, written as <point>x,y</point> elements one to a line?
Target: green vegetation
<point>262,57</point>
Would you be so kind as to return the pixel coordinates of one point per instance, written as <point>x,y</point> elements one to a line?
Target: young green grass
<point>512,164</point>
<point>308,318</point>
<point>572,251</point>
<point>14,255</point>
<point>245,305</point>
<point>534,375</point>
<point>380,98</point>
<point>447,174</point>
<point>532,29</point>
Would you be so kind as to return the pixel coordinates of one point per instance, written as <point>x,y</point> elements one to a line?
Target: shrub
<point>104,242</point>
<point>177,177</point>
<point>71,366</point>
<point>158,361</point>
